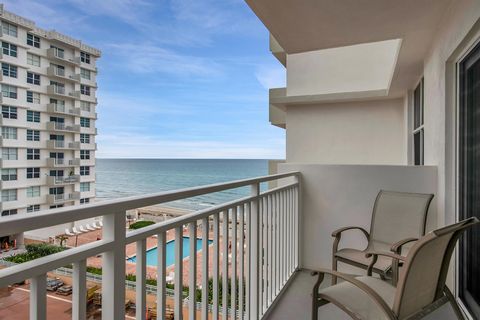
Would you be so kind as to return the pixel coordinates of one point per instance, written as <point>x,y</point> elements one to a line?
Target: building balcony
<point>56,144</point>
<point>62,198</point>
<point>62,109</point>
<point>271,239</point>
<point>75,94</point>
<point>89,146</point>
<point>59,73</point>
<point>63,127</point>
<point>54,54</point>
<point>56,181</point>
<point>56,90</point>
<point>62,163</point>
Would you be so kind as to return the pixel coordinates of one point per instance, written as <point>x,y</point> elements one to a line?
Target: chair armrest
<point>397,247</point>
<point>361,285</point>
<point>338,232</point>
<point>395,260</point>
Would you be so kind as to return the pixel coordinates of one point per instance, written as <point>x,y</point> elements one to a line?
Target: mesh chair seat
<point>353,300</point>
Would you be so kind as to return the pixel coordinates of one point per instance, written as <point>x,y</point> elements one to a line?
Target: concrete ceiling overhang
<point>307,25</point>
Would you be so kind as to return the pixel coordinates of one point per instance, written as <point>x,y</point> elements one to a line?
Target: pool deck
<point>130,250</point>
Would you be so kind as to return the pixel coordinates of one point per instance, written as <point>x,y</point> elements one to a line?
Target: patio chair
<point>398,218</point>
<point>421,287</point>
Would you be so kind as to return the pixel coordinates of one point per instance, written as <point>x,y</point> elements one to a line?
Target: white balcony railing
<point>255,238</point>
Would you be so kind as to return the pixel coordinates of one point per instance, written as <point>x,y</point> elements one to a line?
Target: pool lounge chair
<point>82,229</point>
<point>421,287</point>
<point>74,229</point>
<point>96,226</point>
<point>68,233</point>
<point>398,218</point>
<point>90,228</point>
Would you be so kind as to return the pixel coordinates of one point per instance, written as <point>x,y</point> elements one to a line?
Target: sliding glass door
<point>469,179</point>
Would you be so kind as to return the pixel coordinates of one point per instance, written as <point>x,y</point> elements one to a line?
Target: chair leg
<point>454,303</point>
<point>334,268</point>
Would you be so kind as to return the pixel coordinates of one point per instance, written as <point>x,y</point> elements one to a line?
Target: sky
<point>177,78</point>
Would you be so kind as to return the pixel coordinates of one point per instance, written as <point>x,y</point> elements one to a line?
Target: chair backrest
<point>399,215</point>
<point>422,277</point>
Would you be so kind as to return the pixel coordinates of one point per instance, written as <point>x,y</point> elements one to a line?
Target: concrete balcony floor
<point>295,303</point>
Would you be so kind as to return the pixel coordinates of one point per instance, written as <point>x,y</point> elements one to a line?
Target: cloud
<point>149,58</point>
<point>271,76</point>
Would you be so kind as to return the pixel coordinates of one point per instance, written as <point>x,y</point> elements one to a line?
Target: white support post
<point>216,264</point>
<point>79,288</point>
<point>178,273</point>
<point>233,303</point>
<point>241,263</point>
<point>254,254</point>
<point>141,270</point>
<point>248,252</point>
<point>113,280</point>
<point>192,273</point>
<point>38,297</point>
<point>205,229</point>
<point>225,265</point>
<point>161,273</point>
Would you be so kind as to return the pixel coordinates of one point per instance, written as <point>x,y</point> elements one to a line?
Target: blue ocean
<point>116,178</point>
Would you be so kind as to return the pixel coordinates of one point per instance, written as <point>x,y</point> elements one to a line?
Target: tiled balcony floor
<point>296,303</point>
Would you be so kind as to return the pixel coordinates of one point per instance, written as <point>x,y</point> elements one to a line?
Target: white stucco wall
<point>335,196</point>
<point>370,132</point>
<point>455,34</point>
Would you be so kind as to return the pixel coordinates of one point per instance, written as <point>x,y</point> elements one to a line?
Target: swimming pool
<point>152,254</point>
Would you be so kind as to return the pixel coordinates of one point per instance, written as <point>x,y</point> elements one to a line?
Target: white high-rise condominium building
<point>48,102</point>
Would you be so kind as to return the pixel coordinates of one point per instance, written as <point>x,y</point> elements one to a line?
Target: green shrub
<point>35,251</point>
<point>141,224</point>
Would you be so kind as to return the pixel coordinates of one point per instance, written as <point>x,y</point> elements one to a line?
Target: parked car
<point>64,290</point>
<point>54,284</point>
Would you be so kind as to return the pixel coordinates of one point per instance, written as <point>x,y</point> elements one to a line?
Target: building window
<point>85,74</point>
<point>33,192</point>
<point>33,97</point>
<point>9,91</point>
<point>33,59</point>
<point>84,57</point>
<point>9,174</point>
<point>84,138</point>
<point>9,212</point>
<point>9,49</point>
<point>33,135</point>
<point>418,130</point>
<point>8,70</point>
<point>84,200</point>
<point>84,89</point>
<point>9,29</point>
<point>33,154</point>
<point>85,106</point>
<point>84,186</point>
<point>9,195</point>
<point>85,154</point>
<point>33,173</point>
<point>33,78</point>
<point>9,112</point>
<point>84,170</point>
<point>85,122</point>
<point>33,116</point>
<point>9,133</point>
<point>56,206</point>
<point>33,41</point>
<point>9,154</point>
<point>33,208</point>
